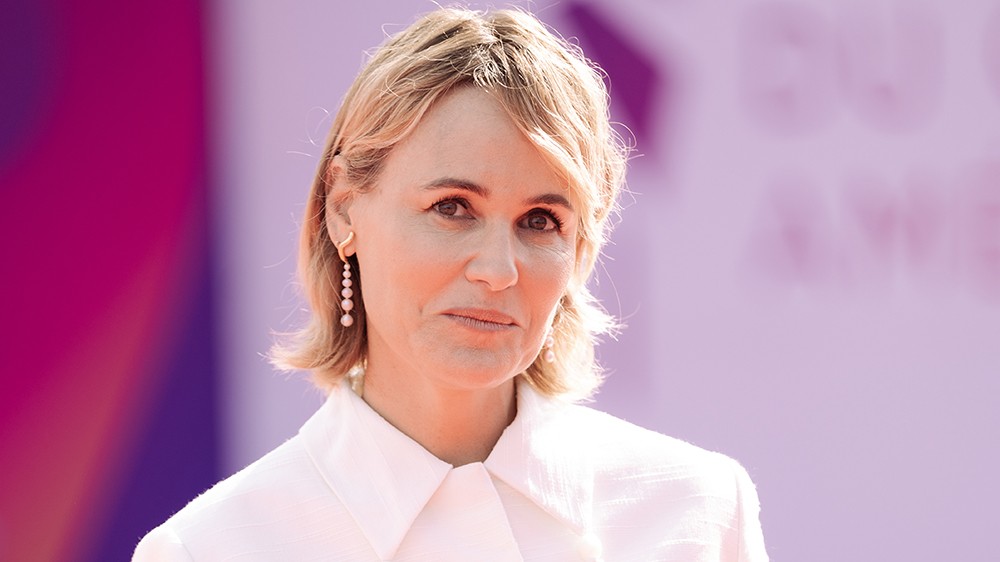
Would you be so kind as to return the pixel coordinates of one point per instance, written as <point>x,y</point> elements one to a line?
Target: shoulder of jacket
<point>237,495</point>
<point>620,446</point>
<point>161,545</point>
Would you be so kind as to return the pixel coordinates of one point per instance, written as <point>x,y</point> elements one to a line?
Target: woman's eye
<point>541,222</point>
<point>447,207</point>
<point>450,207</point>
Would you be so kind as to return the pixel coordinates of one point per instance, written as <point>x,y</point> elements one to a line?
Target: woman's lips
<point>481,318</point>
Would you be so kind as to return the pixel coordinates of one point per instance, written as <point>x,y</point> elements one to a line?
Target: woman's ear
<point>339,196</point>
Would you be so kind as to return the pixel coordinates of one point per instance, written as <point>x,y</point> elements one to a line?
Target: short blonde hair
<point>554,96</point>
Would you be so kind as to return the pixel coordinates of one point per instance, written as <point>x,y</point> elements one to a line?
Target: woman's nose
<point>494,259</point>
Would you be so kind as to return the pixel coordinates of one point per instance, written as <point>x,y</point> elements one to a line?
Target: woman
<point>455,217</point>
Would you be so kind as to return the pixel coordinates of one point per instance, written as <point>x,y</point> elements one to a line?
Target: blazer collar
<point>545,457</point>
<point>385,479</point>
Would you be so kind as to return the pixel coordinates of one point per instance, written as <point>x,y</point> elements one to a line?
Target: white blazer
<point>564,482</point>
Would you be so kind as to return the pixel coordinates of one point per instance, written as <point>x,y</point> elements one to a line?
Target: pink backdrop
<point>809,265</point>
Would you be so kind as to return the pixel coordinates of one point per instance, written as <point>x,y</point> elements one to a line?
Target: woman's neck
<point>458,426</point>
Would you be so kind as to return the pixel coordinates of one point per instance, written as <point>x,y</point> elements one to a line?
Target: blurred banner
<point>808,261</point>
<point>107,400</point>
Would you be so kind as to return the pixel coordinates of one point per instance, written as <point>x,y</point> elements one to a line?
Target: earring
<point>347,304</point>
<point>549,355</point>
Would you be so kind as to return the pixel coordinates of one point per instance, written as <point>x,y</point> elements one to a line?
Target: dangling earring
<point>347,304</point>
<point>549,355</point>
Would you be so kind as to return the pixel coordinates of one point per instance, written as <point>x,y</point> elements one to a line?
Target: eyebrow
<point>554,199</point>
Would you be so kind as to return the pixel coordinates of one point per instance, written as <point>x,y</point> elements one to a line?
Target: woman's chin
<point>478,370</point>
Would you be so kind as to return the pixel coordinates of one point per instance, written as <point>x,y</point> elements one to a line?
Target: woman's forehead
<point>469,137</point>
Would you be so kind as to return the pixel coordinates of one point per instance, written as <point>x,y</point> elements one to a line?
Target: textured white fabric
<point>564,482</point>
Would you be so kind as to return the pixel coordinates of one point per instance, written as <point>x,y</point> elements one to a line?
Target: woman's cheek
<point>552,272</point>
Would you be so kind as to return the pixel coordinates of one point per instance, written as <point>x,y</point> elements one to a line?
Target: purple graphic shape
<point>633,79</point>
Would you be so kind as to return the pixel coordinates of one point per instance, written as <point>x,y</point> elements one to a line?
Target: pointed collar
<point>385,479</point>
<point>544,456</point>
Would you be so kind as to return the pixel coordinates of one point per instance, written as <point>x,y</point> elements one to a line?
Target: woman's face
<point>465,245</point>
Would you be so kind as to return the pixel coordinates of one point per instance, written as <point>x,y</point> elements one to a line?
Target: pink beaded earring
<point>347,304</point>
<point>549,354</point>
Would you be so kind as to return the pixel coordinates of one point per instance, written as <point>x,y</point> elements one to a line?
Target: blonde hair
<point>554,96</point>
